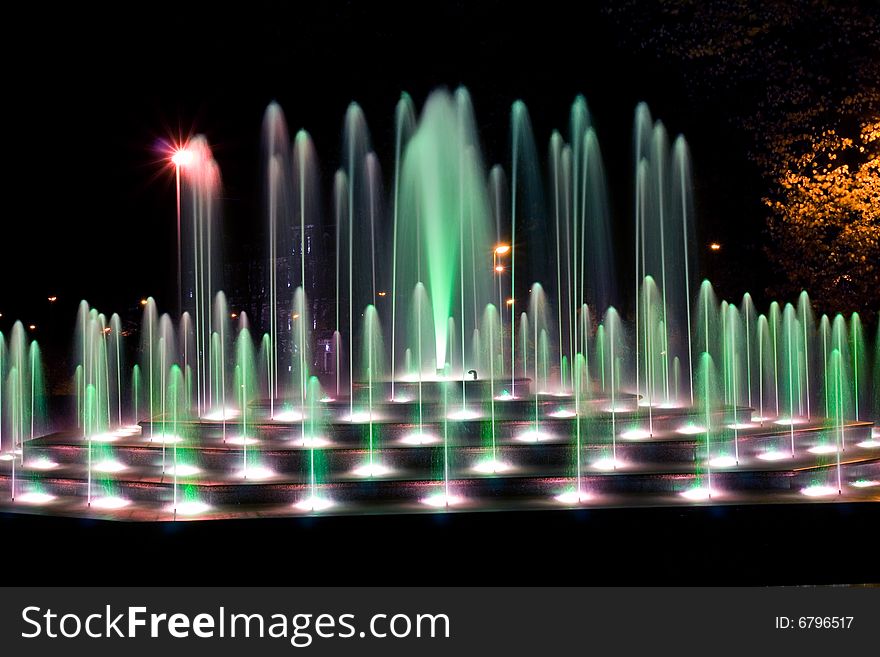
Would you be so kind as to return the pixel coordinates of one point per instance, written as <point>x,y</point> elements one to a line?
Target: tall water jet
<point>245,386</point>
<point>859,358</point>
<point>682,200</point>
<point>421,340</point>
<point>201,237</point>
<point>176,402</point>
<point>275,146</point>
<point>708,404</point>
<point>525,199</point>
<point>663,232</point>
<point>609,356</point>
<point>373,360</point>
<point>598,271</point>
<point>808,326</point>
<point>492,355</point>
<point>437,182</point>
<point>340,208</point>
<point>747,309</point>
<point>307,213</point>
<point>404,124</point>
<point>221,341</point>
<point>356,144</point>
<point>301,338</point>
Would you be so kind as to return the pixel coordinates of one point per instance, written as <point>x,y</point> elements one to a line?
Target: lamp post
<point>498,251</point>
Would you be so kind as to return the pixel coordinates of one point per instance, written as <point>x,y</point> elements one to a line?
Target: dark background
<point>93,94</point>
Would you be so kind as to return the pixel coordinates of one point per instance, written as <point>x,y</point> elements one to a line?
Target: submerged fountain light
<point>571,497</point>
<point>823,449</point>
<point>311,441</point>
<point>183,470</point>
<point>359,417</point>
<point>287,416</point>
<point>42,463</point>
<point>699,493</point>
<point>242,440</point>
<point>109,502</point>
<point>255,472</point>
<point>106,437</point>
<point>562,413</point>
<point>441,500</point>
<point>416,438</point>
<point>218,415</point>
<point>739,426</point>
<point>109,465</point>
<point>788,421</point>
<point>6,457</point>
<point>690,430</point>
<point>35,497</point>
<point>819,490</point>
<point>774,455</point>
<point>865,483</point>
<point>608,464</point>
<point>723,462</point>
<point>189,508</point>
<point>492,466</point>
<point>372,470</point>
<point>635,434</point>
<point>533,436</point>
<point>326,400</point>
<point>871,443</point>
<point>314,503</point>
<point>167,439</point>
<point>464,414</point>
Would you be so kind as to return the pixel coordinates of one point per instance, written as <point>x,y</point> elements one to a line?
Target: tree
<point>825,220</point>
<point>801,80</point>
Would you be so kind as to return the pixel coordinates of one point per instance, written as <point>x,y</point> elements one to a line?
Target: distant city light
<point>32,327</point>
<point>499,268</point>
<point>382,294</point>
<point>715,246</point>
<point>53,299</point>
<point>143,302</point>
<point>501,249</point>
<point>510,302</point>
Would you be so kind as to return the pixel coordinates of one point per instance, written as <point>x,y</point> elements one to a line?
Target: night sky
<point>90,205</point>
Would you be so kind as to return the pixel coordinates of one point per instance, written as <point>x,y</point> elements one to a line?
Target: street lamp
<point>498,251</point>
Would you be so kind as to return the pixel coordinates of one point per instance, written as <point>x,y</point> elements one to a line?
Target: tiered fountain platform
<point>659,457</point>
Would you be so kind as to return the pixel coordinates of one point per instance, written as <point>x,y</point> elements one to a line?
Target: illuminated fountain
<point>475,349</point>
